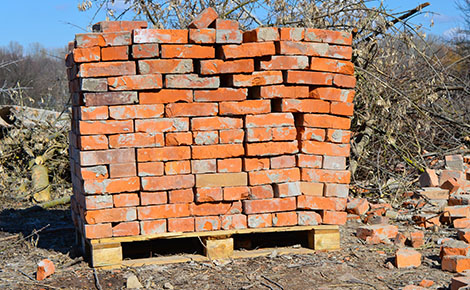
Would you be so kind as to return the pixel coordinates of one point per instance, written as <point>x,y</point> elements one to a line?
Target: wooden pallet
<point>108,252</point>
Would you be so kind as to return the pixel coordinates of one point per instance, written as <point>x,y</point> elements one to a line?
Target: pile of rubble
<point>443,201</point>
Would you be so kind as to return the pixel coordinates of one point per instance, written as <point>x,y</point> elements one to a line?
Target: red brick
<point>231,136</point>
<point>187,51</point>
<point>260,220</point>
<point>358,206</point>
<point>149,50</point>
<point>94,142</point>
<point>453,247</point>
<point>220,94</point>
<point>98,231</point>
<point>343,109</point>
<point>232,222</point>
<point>344,81</point>
<point>95,172</point>
<point>181,224</point>
<point>93,113</point>
<point>177,167</point>
<point>333,94</point>
<point>181,196</point>
<point>245,107</point>
<point>165,66</point>
<point>261,34</point>
<point>103,39</point>
<point>407,258</point>
<point>166,96</point>
<point>98,202</point>
<point>257,78</point>
<point>204,166</point>
<point>209,209</point>
<point>286,161</point>
<point>115,53</point>
<point>328,36</point>
<point>167,182</point>
<point>269,120</point>
<point>302,48</point>
<point>271,148</point>
<point>191,81</point>
<point>261,192</point>
<point>228,36</point>
<point>308,218</point>
<point>322,175</point>
<point>310,161</point>
<point>292,33</point>
<point>305,106</point>
<point>375,234</point>
<point>283,92</point>
<point>207,224</point>
<point>164,154</point>
<point>225,24</point>
<point>340,52</point>
<point>149,198</point>
<point>206,137</point>
<point>247,50</point>
<point>153,227</point>
<point>324,121</point>
<point>273,176</point>
<point>311,188</point>
<point>126,229</point>
<point>180,138</point>
<point>236,193</point>
<point>218,66</point>
<point>150,168</point>
<point>217,151</point>
<point>115,185</point>
<point>221,179</point>
<point>287,189</point>
<point>160,36</point>
<point>251,164</point>
<point>259,134</point>
<point>110,215</point>
<point>209,194</point>
<point>163,211</point>
<point>204,35</point>
<point>309,78</point>
<point>122,170</point>
<point>282,62</point>
<point>282,219</point>
<point>452,185</point>
<point>284,133</point>
<point>334,217</point>
<point>136,111</point>
<point>204,19</point>
<point>118,26</point>
<point>331,149</point>
<point>215,123</point>
<point>105,69</point>
<point>107,157</point>
<point>338,136</point>
<point>229,165</point>
<point>455,263</point>
<point>110,98</point>
<point>191,109</point>
<point>105,127</point>
<point>88,54</point>
<point>138,82</point>
<point>417,239</point>
<point>323,203</point>
<point>332,65</point>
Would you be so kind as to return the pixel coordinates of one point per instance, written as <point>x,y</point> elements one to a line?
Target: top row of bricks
<point>208,26</point>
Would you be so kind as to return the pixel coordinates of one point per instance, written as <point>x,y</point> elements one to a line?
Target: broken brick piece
<point>204,19</point>
<point>407,258</point>
<point>45,269</point>
<point>455,263</point>
<point>357,206</point>
<point>454,247</point>
<point>376,234</point>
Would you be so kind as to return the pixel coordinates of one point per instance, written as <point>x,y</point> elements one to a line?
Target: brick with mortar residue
<point>332,65</point>
<point>209,209</point>
<point>94,142</point>
<point>138,82</point>
<point>220,94</point>
<point>110,215</point>
<point>162,125</point>
<point>331,149</point>
<point>203,35</point>
<point>191,109</point>
<point>218,66</point>
<point>206,137</point>
<point>259,134</point>
<point>215,123</point>
<point>181,224</point>
<point>93,85</point>
<point>333,94</point>
<point>86,54</point>
<point>217,151</point>
<point>258,78</point>
<point>324,175</point>
<point>338,136</point>
<point>235,136</point>
<point>321,203</point>
<point>151,198</point>
<point>261,34</point>
<point>308,218</point>
<point>285,161</point>
<point>304,106</point>
<point>245,107</point>
<point>236,193</point>
<point>223,36</point>
<point>110,98</point>
<point>163,211</point>
<point>309,161</point>
<point>94,172</point>
<point>208,194</point>
<point>180,138</point>
<point>271,148</point>
<point>98,231</point>
<point>229,165</point>
<point>292,33</point>
<point>260,220</point>
<point>167,182</point>
<point>204,19</point>
<point>98,202</point>
<point>247,50</point>
<point>283,62</point>
<point>126,199</point>
<point>221,179</point>
<point>252,164</point>
<point>273,176</point>
<point>324,121</point>
<point>181,196</point>
<point>107,156</point>
<point>153,227</point>
<point>286,189</point>
<point>283,219</point>
<point>165,66</point>
<point>342,109</point>
<point>334,162</point>
<point>115,53</point>
<point>150,168</point>
<point>191,81</point>
<point>306,133</point>
<point>283,92</point>
<point>115,185</point>
<point>233,222</point>
<point>204,166</point>
<point>160,36</point>
<point>309,78</point>
<point>136,111</point>
<point>344,81</point>
<point>149,50</point>
<point>284,133</point>
<point>93,113</point>
<point>339,52</point>
<point>122,170</point>
<point>211,223</point>
<point>177,167</point>
<point>103,39</point>
<point>261,192</point>
<point>333,217</point>
<point>269,120</point>
<point>163,154</point>
<point>107,69</point>
<point>302,48</point>
<point>311,188</point>
<point>328,36</point>
<point>192,51</point>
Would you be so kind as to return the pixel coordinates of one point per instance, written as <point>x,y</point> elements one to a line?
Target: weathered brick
<point>179,138</point>
<point>245,107</point>
<point>118,26</point>
<point>332,65</point>
<point>110,215</point>
<point>321,203</point>
<point>126,229</point>
<point>282,62</point>
<point>94,172</point>
<point>177,167</point>
<point>260,220</point>
<point>152,198</point>
<point>251,164</point>
<point>107,69</point>
<point>302,48</point>
<point>311,188</point>
<point>333,217</point>
<point>167,182</point>
<point>271,148</point>
<point>215,123</point>
<point>283,219</point>
<point>191,109</point>
<point>209,209</point>
<point>204,19</point>
<point>273,176</point>
<point>310,78</point>
<point>94,84</point>
<point>208,194</point>
<point>308,218</point>
<point>232,222</point>
<point>122,170</point>
<point>328,36</point>
<point>283,92</point>
<point>228,36</point>
<point>166,96</point>
<point>136,111</point>
<point>331,149</point>
<point>220,94</point>
<point>236,193</point>
<point>304,106</point>
<point>98,202</point>
<point>292,33</point>
<point>138,82</point>
<point>207,223</point>
<point>247,50</point>
<point>191,81</point>
<point>206,137</point>
<point>285,161</point>
<point>103,39</point>
<point>126,199</point>
<point>323,175</point>
<point>257,78</point>
<point>115,185</point>
<point>98,231</point>
<point>338,136</point>
<point>324,121</point>
<point>333,94</point>
<point>261,34</point>
<point>88,54</point>
<point>204,166</point>
<point>221,179</point>
<point>204,35</point>
<point>261,192</point>
<point>163,154</point>
<point>115,53</point>
<point>217,151</point>
<point>218,66</point>
<point>269,120</point>
<point>334,162</point>
<point>287,189</point>
<point>343,109</point>
<point>105,127</point>
<point>165,66</point>
<point>110,98</point>
<point>181,196</point>
<point>107,156</point>
<point>94,142</point>
<point>160,36</point>
<point>344,81</point>
<point>153,227</point>
<point>193,51</point>
<point>149,50</point>
<point>150,168</point>
<point>163,211</point>
<point>162,125</point>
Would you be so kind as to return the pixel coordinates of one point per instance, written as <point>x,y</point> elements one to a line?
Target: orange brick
<point>105,69</point>
<point>417,239</point>
<point>407,258</point>
<point>210,223</point>
<point>122,170</point>
<point>110,215</point>
<point>93,113</point>
<point>343,109</point>
<point>322,175</point>
<point>461,223</point>
<point>271,148</point>
<point>204,19</point>
<point>165,66</point>
<point>110,98</point>
<point>163,211</point>
<point>302,48</point>
<point>376,234</point>
<point>107,156</point>
<point>232,222</point>
<point>282,62</point>
<point>95,172</point>
<point>229,165</point>
<point>209,194</point>
<point>126,229</point>
<point>98,231</point>
<point>187,51</point>
<point>220,94</point>
<point>328,36</point>
<point>136,111</point>
<point>311,188</point>
<point>115,53</point>
<point>283,92</point>
<point>334,217</point>
<point>245,107</point>
<point>455,263</point>
<point>191,109</point>
<point>305,106</point>
<point>231,136</point>
<point>98,202</point>
<point>217,151</point>
<point>321,203</point>
<point>218,66</point>
<point>269,120</point>
<point>259,134</point>
<point>118,26</point>
<point>273,176</point>
<point>177,167</point>
<point>261,34</point>
<point>204,35</point>
<point>181,224</point>
<point>260,220</point>
<point>149,198</point>
<point>103,39</point>
<point>160,36</point>
<point>181,196</point>
<point>333,94</point>
<point>286,189</point>
<point>164,154</point>
<point>166,96</point>
<point>332,65</point>
<point>324,121</point>
<point>247,50</point>
<point>453,247</point>
<point>309,78</point>
<point>309,161</point>
<point>191,81</point>
<point>149,50</point>
<point>105,127</point>
<point>221,179</point>
<point>150,168</point>
<point>138,82</point>
<point>94,142</point>
<point>292,33</point>
<point>236,193</point>
<point>283,161</point>
<point>358,206</point>
<point>331,149</point>
<point>204,166</point>
<point>344,81</point>
<point>251,164</point>
<point>261,192</point>
<point>282,219</point>
<point>206,137</point>
<point>228,36</point>
<point>208,209</point>
<point>308,218</point>
<point>87,54</point>
<point>225,24</point>
<point>338,136</point>
<point>340,52</point>
<point>215,123</point>
<point>180,138</point>
<point>152,227</point>
<point>115,185</point>
<point>167,182</point>
<point>284,133</point>
<point>257,78</point>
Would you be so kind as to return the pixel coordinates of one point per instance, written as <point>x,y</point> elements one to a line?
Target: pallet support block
<point>106,254</point>
<point>324,239</point>
<point>215,249</point>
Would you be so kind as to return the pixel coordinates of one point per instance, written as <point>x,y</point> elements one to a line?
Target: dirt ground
<point>28,236</point>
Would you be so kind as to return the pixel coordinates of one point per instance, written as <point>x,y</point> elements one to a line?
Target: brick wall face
<point>208,128</point>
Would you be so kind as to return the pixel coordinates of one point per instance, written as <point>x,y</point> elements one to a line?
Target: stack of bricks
<point>208,128</point>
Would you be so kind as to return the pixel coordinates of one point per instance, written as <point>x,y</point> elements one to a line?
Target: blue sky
<point>55,22</point>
